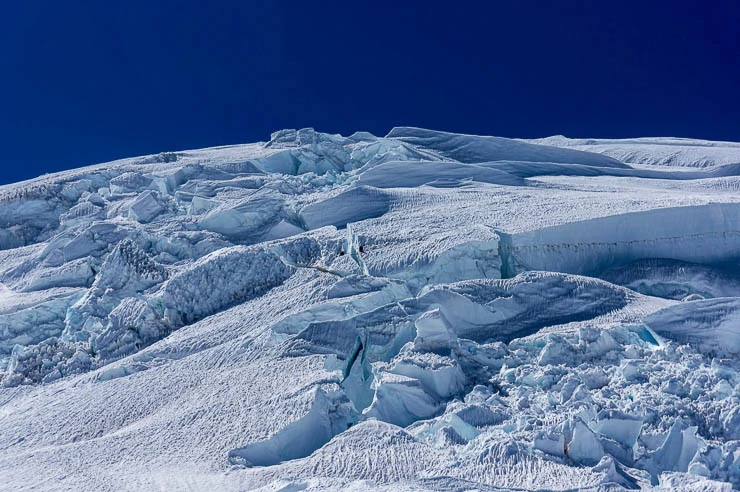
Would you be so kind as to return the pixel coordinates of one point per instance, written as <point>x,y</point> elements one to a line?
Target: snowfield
<point>422,311</point>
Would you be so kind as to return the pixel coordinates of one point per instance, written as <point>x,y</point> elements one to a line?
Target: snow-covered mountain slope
<point>423,311</point>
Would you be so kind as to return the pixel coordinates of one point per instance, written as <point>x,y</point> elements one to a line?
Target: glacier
<point>420,311</point>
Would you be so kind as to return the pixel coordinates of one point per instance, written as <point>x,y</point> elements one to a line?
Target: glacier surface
<point>420,311</point>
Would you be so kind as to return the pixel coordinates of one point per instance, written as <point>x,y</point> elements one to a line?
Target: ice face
<point>423,310</point>
<point>706,234</point>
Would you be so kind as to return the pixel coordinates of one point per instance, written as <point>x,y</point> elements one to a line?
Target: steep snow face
<point>421,311</point>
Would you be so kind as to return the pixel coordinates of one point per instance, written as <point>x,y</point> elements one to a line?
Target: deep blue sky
<point>89,81</point>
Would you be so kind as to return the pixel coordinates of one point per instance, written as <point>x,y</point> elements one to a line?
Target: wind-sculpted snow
<point>472,149</point>
<point>485,310</point>
<point>244,220</point>
<point>673,279</point>
<point>442,174</point>
<point>421,311</point>
<point>683,152</point>
<point>343,209</point>
<point>712,326</point>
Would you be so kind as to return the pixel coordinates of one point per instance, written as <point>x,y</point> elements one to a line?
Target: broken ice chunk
<point>433,332</point>
<point>145,207</point>
<point>557,351</point>
<point>481,415</point>
<point>200,205</point>
<point>401,400</point>
<point>550,442</point>
<point>245,218</point>
<point>731,423</point>
<point>619,426</point>
<point>584,448</point>
<point>129,182</point>
<point>440,375</point>
<point>677,450</point>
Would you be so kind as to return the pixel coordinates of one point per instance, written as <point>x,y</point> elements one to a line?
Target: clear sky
<point>90,81</point>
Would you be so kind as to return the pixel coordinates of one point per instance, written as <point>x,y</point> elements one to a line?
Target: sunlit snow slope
<point>423,311</point>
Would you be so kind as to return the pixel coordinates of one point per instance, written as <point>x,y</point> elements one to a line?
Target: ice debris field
<point>421,311</point>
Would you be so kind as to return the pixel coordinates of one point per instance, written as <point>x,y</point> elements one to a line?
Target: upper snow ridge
<point>473,149</point>
<point>424,310</point>
<point>681,152</point>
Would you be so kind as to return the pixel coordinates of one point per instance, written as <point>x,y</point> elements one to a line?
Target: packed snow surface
<point>422,311</point>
